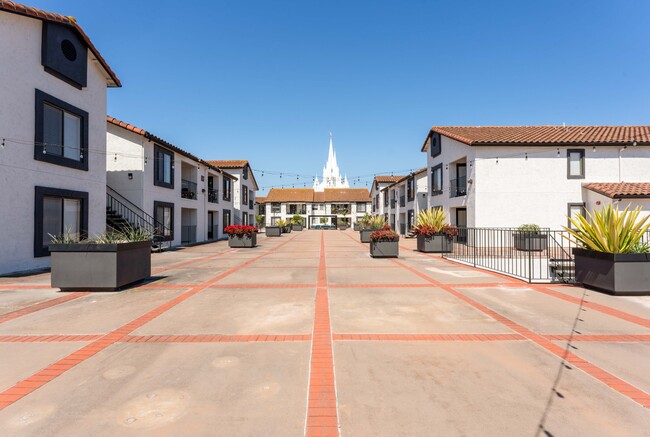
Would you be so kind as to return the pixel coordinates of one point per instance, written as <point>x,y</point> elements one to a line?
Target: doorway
<point>461,224</point>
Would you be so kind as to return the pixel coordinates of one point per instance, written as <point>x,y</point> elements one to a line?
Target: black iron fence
<point>543,256</point>
<point>458,187</point>
<point>188,189</point>
<point>213,196</point>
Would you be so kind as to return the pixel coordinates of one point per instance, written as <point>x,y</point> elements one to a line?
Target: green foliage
<point>297,219</point>
<point>259,220</point>
<point>435,218</point>
<point>128,234</point>
<point>282,223</point>
<point>610,230</point>
<point>364,221</point>
<point>377,222</point>
<point>529,228</point>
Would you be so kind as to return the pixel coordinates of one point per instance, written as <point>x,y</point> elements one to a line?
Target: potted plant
<point>284,226</point>
<point>241,235</point>
<point>433,233</point>
<point>530,238</point>
<point>384,243</point>
<point>259,221</point>
<point>611,255</point>
<point>374,224</point>
<point>297,222</point>
<point>274,230</point>
<point>343,224</point>
<point>107,262</point>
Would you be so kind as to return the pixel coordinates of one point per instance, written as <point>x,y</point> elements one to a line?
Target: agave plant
<point>365,221</point>
<point>434,219</point>
<point>377,222</point>
<point>282,223</point>
<point>297,219</point>
<point>610,230</point>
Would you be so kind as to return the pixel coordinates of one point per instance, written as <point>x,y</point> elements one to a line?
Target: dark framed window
<point>410,188</point>
<point>163,214</point>
<point>573,210</point>
<point>436,180</point>
<point>61,133</point>
<point>385,194</point>
<point>275,208</point>
<point>244,172</point>
<point>227,189</point>
<point>575,163</point>
<point>163,170</point>
<point>58,212</point>
<point>244,196</point>
<point>361,206</point>
<point>434,144</point>
<point>226,218</point>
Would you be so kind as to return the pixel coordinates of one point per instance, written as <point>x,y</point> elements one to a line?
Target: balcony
<point>458,187</point>
<point>213,196</point>
<point>392,203</point>
<point>402,201</point>
<point>340,209</point>
<point>251,204</point>
<point>188,189</point>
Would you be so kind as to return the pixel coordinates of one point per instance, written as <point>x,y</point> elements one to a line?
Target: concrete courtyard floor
<point>307,335</point>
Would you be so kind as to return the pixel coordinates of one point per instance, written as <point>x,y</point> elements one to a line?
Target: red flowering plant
<point>385,234</point>
<point>240,230</point>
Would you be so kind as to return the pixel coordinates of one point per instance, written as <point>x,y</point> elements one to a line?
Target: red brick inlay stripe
<point>322,413</point>
<point>207,338</point>
<point>27,386</point>
<point>610,338</point>
<point>264,286</point>
<point>47,338</point>
<point>607,378</point>
<point>427,337</point>
<point>41,306</point>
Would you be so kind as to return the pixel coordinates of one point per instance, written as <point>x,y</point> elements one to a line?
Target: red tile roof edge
<point>620,190</point>
<point>29,11</point>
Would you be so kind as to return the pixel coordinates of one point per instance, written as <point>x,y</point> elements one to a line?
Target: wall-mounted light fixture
<point>130,176</point>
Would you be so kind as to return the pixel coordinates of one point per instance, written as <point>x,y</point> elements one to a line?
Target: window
<point>58,212</point>
<point>244,219</point>
<point>361,207</point>
<point>244,196</point>
<point>163,170</point>
<point>436,180</point>
<point>574,210</point>
<point>410,188</point>
<point>575,163</point>
<point>61,132</point>
<point>385,194</point>
<point>275,208</point>
<point>163,214</point>
<point>226,218</point>
<point>434,144</point>
<point>227,188</point>
<point>245,172</point>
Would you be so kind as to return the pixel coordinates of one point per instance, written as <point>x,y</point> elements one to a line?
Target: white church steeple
<point>331,173</point>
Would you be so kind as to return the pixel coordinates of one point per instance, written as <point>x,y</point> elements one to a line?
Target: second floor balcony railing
<point>340,210</point>
<point>458,187</point>
<point>251,204</point>
<point>402,201</point>
<point>213,196</point>
<point>188,189</point>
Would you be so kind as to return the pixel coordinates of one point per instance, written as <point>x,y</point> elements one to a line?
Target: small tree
<point>259,220</point>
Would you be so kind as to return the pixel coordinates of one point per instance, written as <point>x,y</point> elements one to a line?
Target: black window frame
<point>244,196</point>
<point>442,180</point>
<point>582,163</point>
<point>244,172</point>
<point>583,211</point>
<point>169,205</point>
<point>42,192</point>
<point>157,179</point>
<point>365,206</point>
<point>42,98</point>
<point>227,193</point>
<point>435,144</point>
<point>410,188</point>
<point>274,205</point>
<point>226,212</point>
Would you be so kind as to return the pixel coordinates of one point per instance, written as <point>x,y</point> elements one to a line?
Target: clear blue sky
<point>266,80</point>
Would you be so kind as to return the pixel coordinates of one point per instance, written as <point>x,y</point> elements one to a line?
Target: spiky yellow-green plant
<point>377,222</point>
<point>282,223</point>
<point>609,230</point>
<point>435,218</point>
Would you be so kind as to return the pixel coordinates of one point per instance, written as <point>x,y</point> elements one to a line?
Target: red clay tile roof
<point>621,190</point>
<point>387,179</point>
<point>544,135</point>
<point>158,140</point>
<point>308,195</point>
<point>28,11</point>
<point>403,178</point>
<point>229,163</point>
<point>260,199</point>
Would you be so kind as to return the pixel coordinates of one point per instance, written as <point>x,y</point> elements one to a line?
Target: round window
<point>69,51</point>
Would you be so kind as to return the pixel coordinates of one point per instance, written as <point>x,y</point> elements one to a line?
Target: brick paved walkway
<point>307,335</point>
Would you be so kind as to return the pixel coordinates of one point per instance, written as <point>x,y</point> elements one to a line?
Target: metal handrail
<point>458,187</point>
<point>134,215</point>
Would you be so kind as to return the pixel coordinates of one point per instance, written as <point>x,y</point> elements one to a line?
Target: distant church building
<point>331,173</point>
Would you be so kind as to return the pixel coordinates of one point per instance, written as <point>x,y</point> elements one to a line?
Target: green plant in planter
<point>259,220</point>
<point>282,223</point>
<point>365,221</point>
<point>323,220</point>
<point>297,219</point>
<point>377,223</point>
<point>434,219</point>
<point>385,234</point>
<point>128,234</point>
<point>529,229</point>
<point>610,230</point>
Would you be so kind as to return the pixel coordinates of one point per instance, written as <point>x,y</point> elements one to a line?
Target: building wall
<point>21,74</point>
<point>595,202</point>
<point>311,209</point>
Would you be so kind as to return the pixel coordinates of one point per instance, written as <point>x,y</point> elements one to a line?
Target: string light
<point>3,143</point>
<point>526,156</point>
<point>593,149</point>
<point>558,152</point>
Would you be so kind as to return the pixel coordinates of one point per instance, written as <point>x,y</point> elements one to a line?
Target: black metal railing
<point>251,204</point>
<point>544,256</point>
<point>458,187</point>
<point>294,209</point>
<point>213,196</point>
<point>188,234</point>
<point>402,201</point>
<point>119,207</point>
<point>188,189</point>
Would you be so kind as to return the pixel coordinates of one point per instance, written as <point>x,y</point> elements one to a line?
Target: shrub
<point>430,222</point>
<point>282,223</point>
<point>129,234</point>
<point>385,234</point>
<point>297,219</point>
<point>364,221</point>
<point>240,230</point>
<point>529,228</point>
<point>259,220</point>
<point>377,222</point>
<point>610,230</point>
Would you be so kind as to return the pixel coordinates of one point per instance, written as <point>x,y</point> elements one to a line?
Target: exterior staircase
<point>122,214</point>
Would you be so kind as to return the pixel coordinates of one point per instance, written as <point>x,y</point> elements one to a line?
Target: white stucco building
<point>188,199</point>
<point>404,199</point>
<point>244,189</point>
<point>329,207</point>
<point>511,175</point>
<point>378,195</point>
<point>53,84</point>
<point>331,173</point>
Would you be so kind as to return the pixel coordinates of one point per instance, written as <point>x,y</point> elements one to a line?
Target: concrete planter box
<point>243,241</point>
<point>297,227</point>
<point>364,235</point>
<point>356,227</point>
<point>384,249</point>
<point>286,229</point>
<point>99,267</point>
<point>437,243</point>
<point>530,242</point>
<point>273,231</point>
<point>613,273</point>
